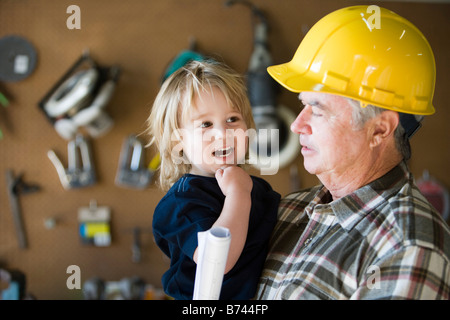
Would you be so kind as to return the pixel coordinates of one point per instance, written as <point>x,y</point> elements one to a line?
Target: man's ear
<point>384,126</point>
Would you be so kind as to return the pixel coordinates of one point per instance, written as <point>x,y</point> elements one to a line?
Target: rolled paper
<point>213,246</point>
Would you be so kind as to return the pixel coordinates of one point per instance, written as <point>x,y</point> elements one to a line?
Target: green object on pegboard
<point>180,60</point>
<point>3,100</point>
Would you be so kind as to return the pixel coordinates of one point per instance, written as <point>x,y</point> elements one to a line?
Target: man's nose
<point>300,124</point>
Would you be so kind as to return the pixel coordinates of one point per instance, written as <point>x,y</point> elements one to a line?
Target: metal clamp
<point>80,172</point>
<point>131,171</point>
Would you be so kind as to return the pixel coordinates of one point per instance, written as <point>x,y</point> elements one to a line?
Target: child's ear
<point>384,125</point>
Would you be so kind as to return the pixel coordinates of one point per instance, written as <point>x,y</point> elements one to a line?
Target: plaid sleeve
<point>412,272</point>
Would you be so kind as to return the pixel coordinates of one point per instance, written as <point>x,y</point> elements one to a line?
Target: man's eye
<point>316,112</point>
<point>206,124</point>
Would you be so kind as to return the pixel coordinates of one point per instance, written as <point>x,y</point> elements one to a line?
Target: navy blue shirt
<point>193,205</point>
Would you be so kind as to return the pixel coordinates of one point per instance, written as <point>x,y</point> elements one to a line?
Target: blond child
<point>200,122</point>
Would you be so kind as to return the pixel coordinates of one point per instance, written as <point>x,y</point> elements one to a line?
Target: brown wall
<point>142,36</point>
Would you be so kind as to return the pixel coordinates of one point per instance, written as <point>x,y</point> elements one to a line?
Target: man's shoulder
<point>417,220</point>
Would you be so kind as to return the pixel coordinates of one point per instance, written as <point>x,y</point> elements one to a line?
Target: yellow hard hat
<point>368,54</point>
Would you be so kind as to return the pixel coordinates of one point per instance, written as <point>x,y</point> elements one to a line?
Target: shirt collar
<point>349,210</point>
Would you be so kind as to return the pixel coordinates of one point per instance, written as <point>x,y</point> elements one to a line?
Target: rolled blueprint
<point>213,246</point>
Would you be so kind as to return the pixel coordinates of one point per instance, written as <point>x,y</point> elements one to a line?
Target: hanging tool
<point>94,289</point>
<point>274,139</point>
<point>132,171</point>
<point>262,89</point>
<point>79,98</point>
<point>15,187</point>
<point>136,247</point>
<point>95,224</point>
<point>183,58</point>
<point>132,288</point>
<point>16,281</point>
<point>18,58</point>
<point>77,175</point>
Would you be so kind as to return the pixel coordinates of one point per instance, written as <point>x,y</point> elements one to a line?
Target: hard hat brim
<point>286,76</point>
<point>289,77</point>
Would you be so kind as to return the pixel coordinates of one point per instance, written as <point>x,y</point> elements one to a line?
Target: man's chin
<point>309,167</point>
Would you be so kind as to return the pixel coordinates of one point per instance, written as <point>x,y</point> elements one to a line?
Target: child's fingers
<point>219,173</point>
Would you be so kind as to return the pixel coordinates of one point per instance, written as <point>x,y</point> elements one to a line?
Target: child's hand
<point>236,185</point>
<point>234,179</point>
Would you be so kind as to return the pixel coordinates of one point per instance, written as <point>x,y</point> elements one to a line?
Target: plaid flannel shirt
<point>383,241</point>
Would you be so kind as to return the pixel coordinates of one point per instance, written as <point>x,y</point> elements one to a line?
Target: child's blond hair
<point>176,96</point>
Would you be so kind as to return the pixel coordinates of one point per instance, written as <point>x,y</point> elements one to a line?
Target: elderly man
<point>366,232</point>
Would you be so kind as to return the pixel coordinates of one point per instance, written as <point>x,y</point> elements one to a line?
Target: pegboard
<point>141,37</point>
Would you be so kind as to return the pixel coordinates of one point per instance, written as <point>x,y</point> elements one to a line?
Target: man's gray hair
<point>361,115</point>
